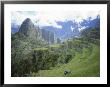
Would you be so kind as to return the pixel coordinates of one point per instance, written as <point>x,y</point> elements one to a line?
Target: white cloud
<point>82,28</point>
<point>72,28</point>
<point>49,17</point>
<point>19,17</point>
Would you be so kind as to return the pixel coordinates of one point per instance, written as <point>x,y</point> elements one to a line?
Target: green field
<point>86,64</point>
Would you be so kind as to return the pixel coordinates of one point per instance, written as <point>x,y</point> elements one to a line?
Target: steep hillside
<point>27,38</point>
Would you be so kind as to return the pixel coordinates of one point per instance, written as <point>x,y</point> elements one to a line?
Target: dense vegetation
<point>34,57</point>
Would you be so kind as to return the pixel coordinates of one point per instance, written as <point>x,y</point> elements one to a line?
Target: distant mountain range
<point>51,34</point>
<point>71,29</point>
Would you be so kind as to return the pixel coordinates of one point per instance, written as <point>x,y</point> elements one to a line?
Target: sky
<point>50,17</point>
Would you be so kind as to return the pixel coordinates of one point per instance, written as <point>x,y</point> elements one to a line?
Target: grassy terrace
<point>42,48</point>
<point>85,64</point>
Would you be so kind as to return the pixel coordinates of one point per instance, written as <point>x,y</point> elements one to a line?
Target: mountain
<point>69,29</point>
<point>23,45</point>
<point>28,29</point>
<point>73,29</point>
<point>48,36</point>
<point>92,33</point>
<point>26,26</point>
<point>91,23</point>
<point>33,49</point>
<point>27,38</point>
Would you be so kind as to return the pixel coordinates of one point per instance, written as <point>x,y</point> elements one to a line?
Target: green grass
<point>85,64</point>
<point>37,49</point>
<point>54,46</point>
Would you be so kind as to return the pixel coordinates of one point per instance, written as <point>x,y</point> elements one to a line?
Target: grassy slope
<point>86,64</point>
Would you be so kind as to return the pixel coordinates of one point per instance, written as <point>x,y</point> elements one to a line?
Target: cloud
<point>19,16</point>
<point>72,28</point>
<point>50,17</point>
<point>82,28</point>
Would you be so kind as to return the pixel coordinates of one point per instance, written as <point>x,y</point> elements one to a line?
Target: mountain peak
<point>27,20</point>
<point>26,26</point>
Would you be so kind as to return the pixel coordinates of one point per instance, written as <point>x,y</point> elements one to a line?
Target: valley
<point>45,53</point>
